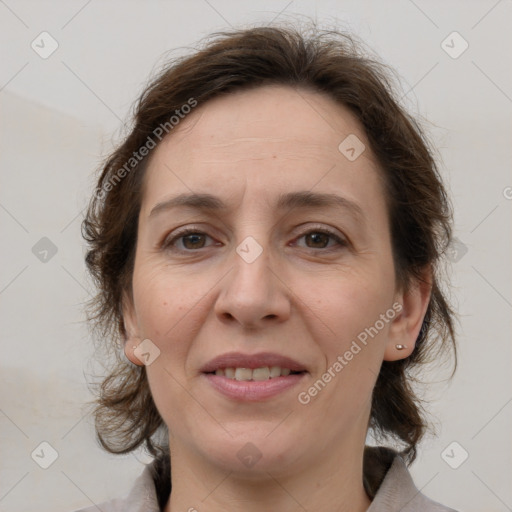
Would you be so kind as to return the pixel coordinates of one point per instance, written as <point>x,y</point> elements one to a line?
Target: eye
<point>189,239</point>
<point>320,238</point>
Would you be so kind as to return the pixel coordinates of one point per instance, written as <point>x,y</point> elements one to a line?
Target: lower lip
<point>253,390</point>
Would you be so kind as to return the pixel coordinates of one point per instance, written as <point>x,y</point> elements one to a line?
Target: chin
<point>251,451</point>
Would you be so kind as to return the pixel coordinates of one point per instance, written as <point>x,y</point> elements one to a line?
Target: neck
<point>333,481</point>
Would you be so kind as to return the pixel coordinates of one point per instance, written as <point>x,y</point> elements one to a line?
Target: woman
<point>266,243</point>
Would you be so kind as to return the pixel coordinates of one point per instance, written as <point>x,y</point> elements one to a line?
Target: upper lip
<point>252,361</point>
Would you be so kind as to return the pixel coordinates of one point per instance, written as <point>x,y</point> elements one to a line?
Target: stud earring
<point>400,347</point>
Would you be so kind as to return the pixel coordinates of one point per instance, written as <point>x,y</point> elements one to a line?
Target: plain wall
<point>58,118</point>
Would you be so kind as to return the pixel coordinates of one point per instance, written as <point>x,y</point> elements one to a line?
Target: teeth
<point>243,374</point>
<point>261,374</point>
<point>246,374</point>
<point>275,371</point>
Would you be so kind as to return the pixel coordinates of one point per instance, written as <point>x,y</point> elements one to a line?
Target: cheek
<point>347,304</point>
<point>350,334</point>
<point>168,305</point>
<point>170,313</point>
<point>345,310</point>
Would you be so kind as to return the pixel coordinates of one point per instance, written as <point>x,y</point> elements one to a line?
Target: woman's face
<point>289,269</point>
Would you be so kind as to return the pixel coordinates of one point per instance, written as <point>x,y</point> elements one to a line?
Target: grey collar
<point>397,493</point>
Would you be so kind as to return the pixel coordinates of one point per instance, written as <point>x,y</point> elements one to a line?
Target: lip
<point>252,390</point>
<point>252,361</point>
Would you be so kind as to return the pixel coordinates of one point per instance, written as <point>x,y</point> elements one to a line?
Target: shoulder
<point>399,493</point>
<point>142,497</point>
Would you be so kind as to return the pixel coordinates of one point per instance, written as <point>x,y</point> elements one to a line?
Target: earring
<point>400,347</point>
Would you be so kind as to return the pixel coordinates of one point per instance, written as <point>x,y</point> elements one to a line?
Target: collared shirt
<point>397,493</point>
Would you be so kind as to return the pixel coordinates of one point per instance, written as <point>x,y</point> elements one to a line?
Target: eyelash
<point>168,243</point>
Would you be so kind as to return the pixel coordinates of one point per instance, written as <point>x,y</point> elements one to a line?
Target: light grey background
<point>59,117</point>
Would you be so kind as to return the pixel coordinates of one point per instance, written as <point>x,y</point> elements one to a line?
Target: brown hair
<point>419,214</point>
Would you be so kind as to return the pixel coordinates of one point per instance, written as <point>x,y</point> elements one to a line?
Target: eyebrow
<point>291,200</point>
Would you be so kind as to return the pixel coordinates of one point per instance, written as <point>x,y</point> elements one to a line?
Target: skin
<point>304,297</point>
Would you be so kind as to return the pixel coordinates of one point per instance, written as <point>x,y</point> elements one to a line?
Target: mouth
<point>256,374</point>
<point>253,377</point>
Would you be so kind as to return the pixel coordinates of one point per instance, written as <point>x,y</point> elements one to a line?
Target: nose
<point>253,294</point>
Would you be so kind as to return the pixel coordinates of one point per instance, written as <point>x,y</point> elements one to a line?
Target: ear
<point>406,326</point>
<point>132,330</point>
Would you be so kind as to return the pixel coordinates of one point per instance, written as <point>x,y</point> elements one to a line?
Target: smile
<point>256,374</point>
<point>253,377</point>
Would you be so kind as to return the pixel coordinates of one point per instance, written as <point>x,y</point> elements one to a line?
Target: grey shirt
<point>397,493</point>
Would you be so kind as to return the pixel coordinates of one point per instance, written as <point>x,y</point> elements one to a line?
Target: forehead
<point>273,115</point>
<point>269,136</point>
